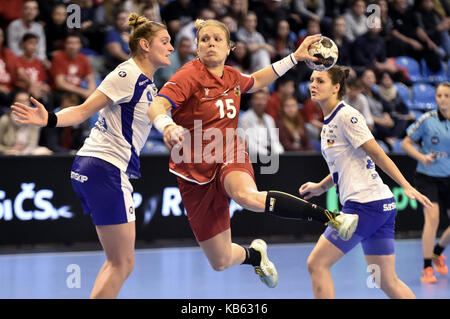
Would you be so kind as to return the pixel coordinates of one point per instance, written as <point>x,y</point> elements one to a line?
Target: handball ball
<point>327,53</point>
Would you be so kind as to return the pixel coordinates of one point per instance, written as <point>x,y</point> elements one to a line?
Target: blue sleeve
<point>415,130</point>
<point>112,36</point>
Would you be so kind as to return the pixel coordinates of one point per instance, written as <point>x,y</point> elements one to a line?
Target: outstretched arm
<point>380,158</point>
<point>157,112</point>
<point>67,117</point>
<point>267,75</point>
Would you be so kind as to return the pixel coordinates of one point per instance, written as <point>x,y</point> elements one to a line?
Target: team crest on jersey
<point>237,90</point>
<point>354,120</point>
<point>330,142</point>
<point>122,74</point>
<point>435,140</point>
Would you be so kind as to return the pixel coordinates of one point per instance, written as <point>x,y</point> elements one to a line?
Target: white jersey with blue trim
<point>123,127</point>
<point>353,171</point>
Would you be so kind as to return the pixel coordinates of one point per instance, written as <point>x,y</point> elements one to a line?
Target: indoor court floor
<point>184,273</point>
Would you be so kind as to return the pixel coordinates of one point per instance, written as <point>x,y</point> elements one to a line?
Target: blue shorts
<point>375,228</point>
<point>104,190</point>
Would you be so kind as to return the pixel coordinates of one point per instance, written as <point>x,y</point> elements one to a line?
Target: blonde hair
<point>444,84</point>
<point>200,23</point>
<point>142,29</point>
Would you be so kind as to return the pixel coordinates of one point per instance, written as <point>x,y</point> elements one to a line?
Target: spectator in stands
<point>314,10</point>
<point>178,58</point>
<point>433,30</point>
<point>394,105</point>
<point>116,41</point>
<point>284,87</point>
<point>151,11</point>
<point>356,99</point>
<point>232,25</point>
<point>31,73</point>
<point>269,12</point>
<point>260,51</point>
<point>238,10</point>
<point>56,30</point>
<point>405,40</point>
<point>19,139</point>
<point>27,24</point>
<point>10,10</point>
<point>70,68</point>
<point>189,31</point>
<point>343,43</point>
<point>7,72</point>
<point>259,127</point>
<point>292,131</point>
<point>177,14</point>
<point>313,117</point>
<point>65,139</point>
<point>386,21</point>
<point>240,58</point>
<point>218,7</point>
<point>381,118</point>
<point>283,41</point>
<point>356,19</point>
<point>369,50</point>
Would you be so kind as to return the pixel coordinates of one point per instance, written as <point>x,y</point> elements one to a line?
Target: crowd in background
<point>50,52</point>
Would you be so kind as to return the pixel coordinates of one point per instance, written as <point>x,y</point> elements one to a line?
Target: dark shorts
<point>437,189</point>
<point>104,190</point>
<point>375,229</point>
<point>207,205</point>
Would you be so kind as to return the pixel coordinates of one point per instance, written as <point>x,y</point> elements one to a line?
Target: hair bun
<point>198,23</point>
<point>134,20</point>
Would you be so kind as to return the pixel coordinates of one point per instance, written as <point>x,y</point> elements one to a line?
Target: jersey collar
<point>333,114</point>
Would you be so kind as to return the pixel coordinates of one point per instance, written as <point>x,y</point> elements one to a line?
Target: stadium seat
<point>423,97</point>
<point>413,67</point>
<point>404,92</point>
<point>433,77</point>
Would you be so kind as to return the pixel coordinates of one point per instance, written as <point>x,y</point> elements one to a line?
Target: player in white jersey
<point>110,155</point>
<point>351,153</point>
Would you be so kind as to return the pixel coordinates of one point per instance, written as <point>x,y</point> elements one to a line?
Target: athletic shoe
<point>439,264</point>
<point>345,224</point>
<point>428,276</point>
<point>266,270</point>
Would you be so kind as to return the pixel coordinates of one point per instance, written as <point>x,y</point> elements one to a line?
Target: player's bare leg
<point>118,244</point>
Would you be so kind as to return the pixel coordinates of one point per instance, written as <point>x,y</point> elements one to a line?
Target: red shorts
<point>207,206</point>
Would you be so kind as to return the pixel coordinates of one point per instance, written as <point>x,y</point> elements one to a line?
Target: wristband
<point>52,120</point>
<point>161,121</point>
<point>284,65</point>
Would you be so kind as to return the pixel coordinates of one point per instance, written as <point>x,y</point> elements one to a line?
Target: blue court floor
<point>184,273</point>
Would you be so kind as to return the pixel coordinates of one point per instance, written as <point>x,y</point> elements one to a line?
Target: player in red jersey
<point>210,159</point>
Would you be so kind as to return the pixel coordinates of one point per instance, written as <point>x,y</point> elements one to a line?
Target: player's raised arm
<point>157,112</point>
<point>267,75</point>
<point>67,117</point>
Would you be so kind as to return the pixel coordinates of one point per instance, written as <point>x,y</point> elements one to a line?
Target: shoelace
<point>332,220</point>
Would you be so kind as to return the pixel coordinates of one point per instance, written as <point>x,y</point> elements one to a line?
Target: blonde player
<point>110,155</point>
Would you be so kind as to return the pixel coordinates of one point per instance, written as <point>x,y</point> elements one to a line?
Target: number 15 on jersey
<point>227,108</point>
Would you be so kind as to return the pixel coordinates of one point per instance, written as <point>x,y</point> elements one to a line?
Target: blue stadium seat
<point>433,77</point>
<point>413,67</point>
<point>404,92</point>
<point>423,97</point>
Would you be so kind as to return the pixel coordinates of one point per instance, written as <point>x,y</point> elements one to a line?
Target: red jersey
<point>8,63</point>
<point>74,70</point>
<point>206,105</point>
<point>34,68</point>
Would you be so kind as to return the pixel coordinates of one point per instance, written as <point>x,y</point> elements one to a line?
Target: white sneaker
<point>345,224</point>
<point>266,270</point>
